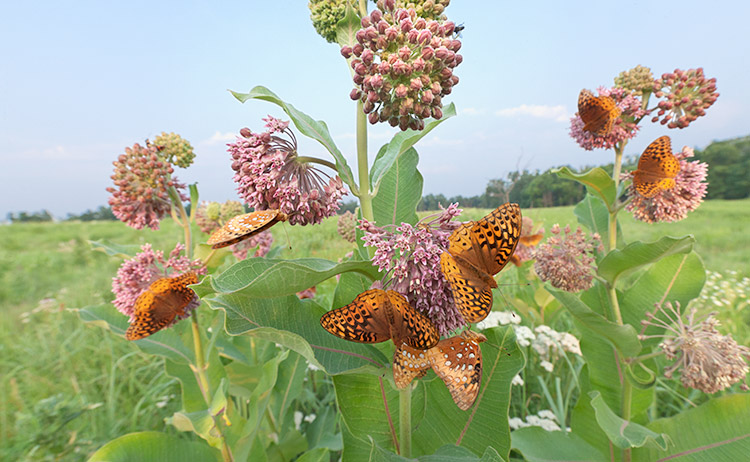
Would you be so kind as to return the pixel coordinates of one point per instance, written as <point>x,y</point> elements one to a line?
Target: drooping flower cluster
<point>263,241</point>
<point>687,96</point>
<point>175,149</point>
<point>210,216</point>
<point>428,9</point>
<point>271,175</point>
<point>403,66</point>
<point>565,261</point>
<point>637,80</point>
<point>624,128</point>
<point>526,243</point>
<point>346,226</point>
<point>136,275</point>
<point>672,204</point>
<point>142,180</point>
<point>411,258</point>
<point>707,360</point>
<point>325,15</point>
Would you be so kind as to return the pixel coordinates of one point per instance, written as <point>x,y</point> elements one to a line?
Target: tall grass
<point>67,388</point>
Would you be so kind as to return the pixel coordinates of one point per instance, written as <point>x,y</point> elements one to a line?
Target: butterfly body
<point>598,113</point>
<point>477,251</point>
<point>657,168</point>
<point>456,360</point>
<point>244,226</point>
<point>377,315</point>
<point>160,304</point>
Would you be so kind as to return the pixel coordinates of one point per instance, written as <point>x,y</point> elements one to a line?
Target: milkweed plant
<point>599,347</point>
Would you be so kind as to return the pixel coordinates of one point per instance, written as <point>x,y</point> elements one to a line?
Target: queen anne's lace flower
<point>411,258</point>
<point>673,204</point>
<point>142,178</point>
<point>136,275</point>
<point>565,261</point>
<point>707,360</point>
<point>271,175</point>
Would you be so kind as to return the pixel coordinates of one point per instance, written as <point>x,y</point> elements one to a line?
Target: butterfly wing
<point>598,113</point>
<point>657,168</point>
<point>409,325</point>
<point>244,226</point>
<point>471,288</point>
<point>409,364</point>
<point>458,362</point>
<point>364,320</point>
<point>158,305</point>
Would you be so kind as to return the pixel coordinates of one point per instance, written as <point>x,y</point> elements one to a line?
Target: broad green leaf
<point>167,342</point>
<point>347,27</point>
<point>264,278</point>
<point>717,430</point>
<point>622,433</point>
<point>402,142</point>
<point>296,325</point>
<point>596,180</point>
<point>677,278</point>
<point>539,445</point>
<point>115,250</point>
<point>583,422</point>
<point>315,455</point>
<point>399,192</point>
<point>447,453</point>
<point>592,213</point>
<point>203,422</point>
<point>485,423</point>
<point>350,285</point>
<point>152,446</point>
<point>193,200</point>
<point>289,386</point>
<point>192,394</point>
<point>315,129</point>
<point>619,262</point>
<point>624,338</point>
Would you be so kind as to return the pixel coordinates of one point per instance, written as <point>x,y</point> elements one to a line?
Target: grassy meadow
<point>67,388</point>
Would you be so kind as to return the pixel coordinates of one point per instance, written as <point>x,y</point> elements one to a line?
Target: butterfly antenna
<point>288,241</point>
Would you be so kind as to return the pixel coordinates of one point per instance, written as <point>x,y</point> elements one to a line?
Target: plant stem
<point>184,220</point>
<point>315,160</point>
<point>612,244</point>
<point>404,421</point>
<point>365,195</point>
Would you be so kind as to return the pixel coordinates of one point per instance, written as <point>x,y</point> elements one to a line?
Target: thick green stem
<point>184,220</point>
<point>612,243</point>
<point>365,195</point>
<point>315,160</point>
<point>404,421</point>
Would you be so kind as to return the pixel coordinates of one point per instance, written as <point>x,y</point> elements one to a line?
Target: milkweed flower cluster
<point>624,128</point>
<point>403,66</point>
<point>175,149</point>
<point>325,15</point>
<point>136,275</point>
<point>428,9</point>
<point>687,95</point>
<point>142,180</point>
<point>673,204</point>
<point>346,227</point>
<point>638,80</point>
<point>707,360</point>
<point>566,260</point>
<point>261,242</point>
<point>410,257</point>
<point>271,175</point>
<point>210,216</point>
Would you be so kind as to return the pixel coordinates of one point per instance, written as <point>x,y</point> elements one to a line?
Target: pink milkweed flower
<point>672,204</point>
<point>566,260</point>
<point>687,95</point>
<point>624,128</point>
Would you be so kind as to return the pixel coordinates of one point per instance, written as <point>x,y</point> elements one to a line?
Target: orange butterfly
<point>377,315</point>
<point>477,251</point>
<point>597,112</point>
<point>456,360</point>
<point>160,304</point>
<point>657,168</point>
<point>244,226</point>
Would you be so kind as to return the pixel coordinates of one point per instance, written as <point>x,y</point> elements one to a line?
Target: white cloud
<point>557,113</point>
<point>471,111</point>
<point>219,137</point>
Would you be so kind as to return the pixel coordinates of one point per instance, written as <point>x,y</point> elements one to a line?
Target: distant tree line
<point>728,168</point>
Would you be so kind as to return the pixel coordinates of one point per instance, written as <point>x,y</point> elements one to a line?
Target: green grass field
<point>67,388</point>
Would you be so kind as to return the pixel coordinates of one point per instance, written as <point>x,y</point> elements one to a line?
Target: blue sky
<point>80,81</point>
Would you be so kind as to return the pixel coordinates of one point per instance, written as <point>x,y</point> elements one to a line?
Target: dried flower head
<point>210,216</point>
<point>687,96</point>
<point>325,15</point>
<point>271,175</point>
<point>675,203</point>
<point>410,257</point>
<point>403,66</point>
<point>175,149</point>
<point>637,80</point>
<point>565,261</point>
<point>263,241</point>
<point>526,243</point>
<point>346,226</point>
<point>142,180</point>
<point>136,275</point>
<point>707,360</point>
<point>624,128</point>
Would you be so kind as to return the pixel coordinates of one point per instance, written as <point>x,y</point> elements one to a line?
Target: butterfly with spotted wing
<point>160,304</point>
<point>244,226</point>
<point>598,113</point>
<point>657,168</point>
